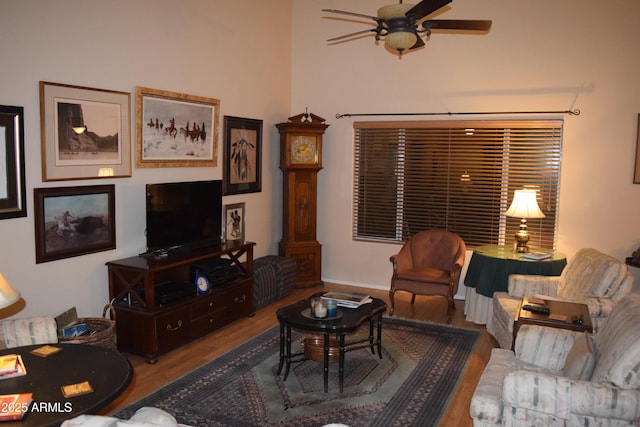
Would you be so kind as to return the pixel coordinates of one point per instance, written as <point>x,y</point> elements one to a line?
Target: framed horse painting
<point>175,129</point>
<point>73,221</point>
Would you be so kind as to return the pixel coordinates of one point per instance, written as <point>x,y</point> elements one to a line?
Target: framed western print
<point>233,226</point>
<point>73,221</point>
<point>85,132</point>
<point>242,155</point>
<point>175,129</point>
<point>12,181</point>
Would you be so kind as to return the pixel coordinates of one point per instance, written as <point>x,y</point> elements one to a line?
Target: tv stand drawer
<point>173,329</point>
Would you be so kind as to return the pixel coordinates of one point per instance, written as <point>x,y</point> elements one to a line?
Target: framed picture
<point>12,182</point>
<point>636,175</point>
<point>73,221</point>
<point>233,226</point>
<point>175,130</point>
<point>85,132</point>
<point>242,155</point>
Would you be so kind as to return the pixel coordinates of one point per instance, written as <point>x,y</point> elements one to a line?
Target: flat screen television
<point>183,216</point>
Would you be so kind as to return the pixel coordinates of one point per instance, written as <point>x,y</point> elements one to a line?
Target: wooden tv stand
<point>148,329</point>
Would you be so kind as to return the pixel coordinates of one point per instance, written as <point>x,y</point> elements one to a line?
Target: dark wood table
<point>348,320</point>
<point>107,371</point>
<point>562,314</point>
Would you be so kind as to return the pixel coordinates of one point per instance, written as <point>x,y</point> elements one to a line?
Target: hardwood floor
<point>170,366</point>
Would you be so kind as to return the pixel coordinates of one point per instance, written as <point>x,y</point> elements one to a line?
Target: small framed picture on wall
<point>234,222</point>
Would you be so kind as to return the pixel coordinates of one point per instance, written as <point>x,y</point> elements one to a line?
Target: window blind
<point>455,175</point>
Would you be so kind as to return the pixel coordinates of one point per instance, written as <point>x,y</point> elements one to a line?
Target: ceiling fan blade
<point>342,12</point>
<point>457,24</point>
<point>347,36</point>
<point>426,7</point>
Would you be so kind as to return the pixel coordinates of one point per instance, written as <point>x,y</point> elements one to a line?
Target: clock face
<point>304,150</point>
<point>202,283</point>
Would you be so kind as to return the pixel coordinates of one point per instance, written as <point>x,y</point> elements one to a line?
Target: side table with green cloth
<point>489,270</point>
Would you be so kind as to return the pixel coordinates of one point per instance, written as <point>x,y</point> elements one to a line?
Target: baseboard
<point>458,296</point>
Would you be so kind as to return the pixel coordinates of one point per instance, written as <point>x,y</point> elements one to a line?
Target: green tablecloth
<point>491,265</point>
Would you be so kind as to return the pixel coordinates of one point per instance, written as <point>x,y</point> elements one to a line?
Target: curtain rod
<point>575,112</point>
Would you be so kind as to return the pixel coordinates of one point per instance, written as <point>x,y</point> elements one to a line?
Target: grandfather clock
<point>300,162</point>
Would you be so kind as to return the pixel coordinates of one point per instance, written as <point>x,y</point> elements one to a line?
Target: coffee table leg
<point>281,348</point>
<point>287,355</point>
<point>341,363</point>
<point>371,321</point>
<point>380,336</point>
<point>326,362</point>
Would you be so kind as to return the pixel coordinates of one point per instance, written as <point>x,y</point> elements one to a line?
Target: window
<point>455,175</point>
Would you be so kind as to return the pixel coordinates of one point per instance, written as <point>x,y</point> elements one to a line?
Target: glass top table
<point>489,270</point>
<point>491,266</point>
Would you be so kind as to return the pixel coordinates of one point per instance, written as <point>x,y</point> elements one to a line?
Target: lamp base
<point>522,237</point>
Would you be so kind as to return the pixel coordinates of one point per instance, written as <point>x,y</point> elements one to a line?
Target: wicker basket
<point>102,331</point>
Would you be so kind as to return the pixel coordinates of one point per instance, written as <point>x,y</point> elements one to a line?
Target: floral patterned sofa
<point>556,377</point>
<point>591,277</point>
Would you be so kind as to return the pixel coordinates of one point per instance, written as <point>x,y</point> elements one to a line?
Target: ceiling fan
<point>400,26</point>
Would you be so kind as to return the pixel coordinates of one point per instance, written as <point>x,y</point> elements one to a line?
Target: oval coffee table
<point>349,320</point>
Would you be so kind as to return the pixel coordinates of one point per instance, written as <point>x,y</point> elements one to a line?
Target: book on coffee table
<point>348,299</point>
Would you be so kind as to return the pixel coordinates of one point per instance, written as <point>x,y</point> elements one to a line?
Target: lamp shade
<point>402,40</point>
<point>8,295</point>
<point>524,205</point>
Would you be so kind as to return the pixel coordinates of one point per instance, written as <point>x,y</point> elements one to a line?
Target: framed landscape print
<point>73,221</point>
<point>233,226</point>
<point>85,132</point>
<point>12,182</point>
<point>242,155</point>
<point>175,130</point>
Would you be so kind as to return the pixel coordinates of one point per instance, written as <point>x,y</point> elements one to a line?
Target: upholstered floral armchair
<point>557,377</point>
<point>590,278</point>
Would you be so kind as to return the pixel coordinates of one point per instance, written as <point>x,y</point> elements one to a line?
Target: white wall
<point>539,55</point>
<point>237,51</point>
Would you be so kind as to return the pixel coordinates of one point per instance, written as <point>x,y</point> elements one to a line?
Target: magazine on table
<point>348,299</point>
<point>536,256</point>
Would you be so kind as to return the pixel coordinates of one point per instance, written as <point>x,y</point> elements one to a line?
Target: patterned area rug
<point>420,368</point>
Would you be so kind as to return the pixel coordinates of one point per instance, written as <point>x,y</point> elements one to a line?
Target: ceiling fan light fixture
<point>392,11</point>
<point>401,40</point>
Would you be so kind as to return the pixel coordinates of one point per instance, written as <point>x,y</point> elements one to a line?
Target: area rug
<point>411,384</point>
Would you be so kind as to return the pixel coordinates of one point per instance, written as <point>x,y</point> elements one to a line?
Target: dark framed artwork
<point>175,129</point>
<point>73,221</point>
<point>12,182</point>
<point>85,132</point>
<point>636,175</point>
<point>242,155</point>
<point>233,226</point>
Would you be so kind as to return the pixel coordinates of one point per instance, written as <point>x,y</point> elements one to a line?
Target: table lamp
<point>524,206</point>
<point>8,295</point>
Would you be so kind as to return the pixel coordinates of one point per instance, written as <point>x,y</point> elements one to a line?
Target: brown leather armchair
<point>429,263</point>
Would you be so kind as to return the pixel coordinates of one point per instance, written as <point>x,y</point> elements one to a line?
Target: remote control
<point>534,308</point>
